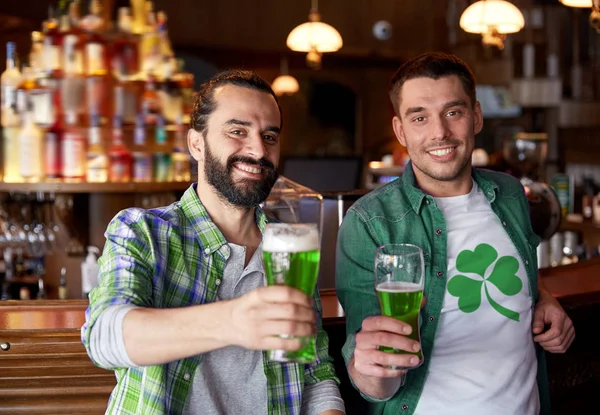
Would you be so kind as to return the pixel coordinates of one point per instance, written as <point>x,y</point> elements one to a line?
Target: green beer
<point>291,257</point>
<point>401,300</point>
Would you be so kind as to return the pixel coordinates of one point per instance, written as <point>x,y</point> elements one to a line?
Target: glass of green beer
<point>399,281</point>
<point>291,255</point>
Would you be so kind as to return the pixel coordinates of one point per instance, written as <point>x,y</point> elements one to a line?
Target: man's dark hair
<point>432,65</point>
<point>204,102</point>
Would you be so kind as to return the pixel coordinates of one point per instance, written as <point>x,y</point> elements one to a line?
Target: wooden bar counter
<point>44,368</point>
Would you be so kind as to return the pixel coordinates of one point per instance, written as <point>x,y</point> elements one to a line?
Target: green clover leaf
<point>468,292</point>
<point>503,276</point>
<point>476,261</point>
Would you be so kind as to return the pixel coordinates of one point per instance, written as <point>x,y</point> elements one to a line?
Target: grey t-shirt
<point>221,384</point>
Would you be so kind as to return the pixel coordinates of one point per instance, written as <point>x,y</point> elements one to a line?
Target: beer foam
<point>398,287</point>
<point>291,239</point>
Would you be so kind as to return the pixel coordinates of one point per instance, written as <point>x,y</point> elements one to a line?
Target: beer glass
<point>291,255</point>
<point>399,281</point>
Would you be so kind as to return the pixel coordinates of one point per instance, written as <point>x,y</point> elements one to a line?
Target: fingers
<point>287,328</point>
<point>372,340</point>
<point>289,311</point>
<point>383,323</point>
<point>283,294</point>
<point>552,333</point>
<point>561,343</point>
<point>377,363</point>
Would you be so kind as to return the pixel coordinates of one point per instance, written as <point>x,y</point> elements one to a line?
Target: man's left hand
<point>560,334</point>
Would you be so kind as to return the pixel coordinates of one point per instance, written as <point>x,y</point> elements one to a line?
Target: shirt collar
<point>416,195</point>
<point>210,236</point>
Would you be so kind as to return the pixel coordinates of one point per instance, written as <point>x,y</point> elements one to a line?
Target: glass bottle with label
<point>73,149</point>
<point>125,53</point>
<point>161,157</point>
<point>52,47</point>
<point>119,155</point>
<point>151,103</point>
<point>11,127</point>
<point>142,159</point>
<point>31,147</point>
<point>36,54</point>
<point>180,155</point>
<point>150,43</point>
<point>10,79</point>
<point>53,139</point>
<point>97,160</point>
<point>95,44</point>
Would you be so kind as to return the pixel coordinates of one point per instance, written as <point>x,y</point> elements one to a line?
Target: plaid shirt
<point>173,257</point>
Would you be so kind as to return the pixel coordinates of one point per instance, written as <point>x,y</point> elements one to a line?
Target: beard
<point>246,193</point>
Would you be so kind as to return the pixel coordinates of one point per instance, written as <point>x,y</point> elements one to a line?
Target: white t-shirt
<point>483,359</point>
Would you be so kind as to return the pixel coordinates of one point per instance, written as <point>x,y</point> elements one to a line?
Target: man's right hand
<point>257,318</point>
<point>384,331</point>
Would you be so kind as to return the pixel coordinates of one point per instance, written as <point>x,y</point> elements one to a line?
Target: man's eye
<point>419,119</point>
<point>237,132</point>
<point>269,138</point>
<point>452,113</point>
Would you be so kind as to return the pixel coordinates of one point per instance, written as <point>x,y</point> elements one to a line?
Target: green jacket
<point>400,212</point>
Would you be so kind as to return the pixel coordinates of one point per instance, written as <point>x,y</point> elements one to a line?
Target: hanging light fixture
<point>577,3</point>
<point>493,19</point>
<point>285,84</point>
<point>581,4</point>
<point>314,37</point>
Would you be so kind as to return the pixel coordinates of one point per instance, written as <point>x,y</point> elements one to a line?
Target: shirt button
<point>440,273</point>
<point>218,281</point>
<point>186,376</point>
<point>526,262</point>
<point>405,407</point>
<point>504,224</point>
<point>431,319</point>
<point>206,251</point>
<point>427,201</point>
<point>438,232</point>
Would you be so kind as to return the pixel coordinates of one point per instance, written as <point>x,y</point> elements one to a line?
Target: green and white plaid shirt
<point>173,257</point>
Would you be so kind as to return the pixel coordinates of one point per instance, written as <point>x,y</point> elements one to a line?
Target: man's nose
<point>256,147</point>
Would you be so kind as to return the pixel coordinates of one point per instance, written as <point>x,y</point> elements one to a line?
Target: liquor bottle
<point>150,43</point>
<point>11,127</point>
<point>180,155</point>
<point>125,54</point>
<point>31,93</point>
<point>97,160</point>
<point>151,104</point>
<point>161,157</point>
<point>73,150</point>
<point>52,143</point>
<point>63,292</point>
<point>95,44</point>
<point>10,79</point>
<point>72,47</point>
<point>52,46</point>
<point>142,159</point>
<point>171,98</point>
<point>31,149</point>
<point>36,54</point>
<point>119,155</point>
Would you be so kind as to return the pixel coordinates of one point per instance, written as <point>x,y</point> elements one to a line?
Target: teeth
<point>249,169</point>
<point>441,152</point>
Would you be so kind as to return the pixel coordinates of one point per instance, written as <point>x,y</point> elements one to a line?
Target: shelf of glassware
<point>84,187</point>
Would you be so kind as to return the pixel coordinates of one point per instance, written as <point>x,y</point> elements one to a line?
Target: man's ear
<point>196,144</point>
<point>399,130</point>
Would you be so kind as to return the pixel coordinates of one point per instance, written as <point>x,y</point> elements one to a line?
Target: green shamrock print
<point>503,276</point>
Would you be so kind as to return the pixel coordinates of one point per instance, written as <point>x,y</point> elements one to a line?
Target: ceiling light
<point>314,37</point>
<point>493,19</point>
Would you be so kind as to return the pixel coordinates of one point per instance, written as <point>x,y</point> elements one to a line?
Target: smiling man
<point>487,318</point>
<point>182,313</point>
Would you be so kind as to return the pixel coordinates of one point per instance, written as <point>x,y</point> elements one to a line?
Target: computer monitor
<point>324,174</point>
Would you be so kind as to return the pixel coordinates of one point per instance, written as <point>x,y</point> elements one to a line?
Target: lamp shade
<point>577,3</point>
<point>285,84</point>
<point>314,35</point>
<point>492,15</point>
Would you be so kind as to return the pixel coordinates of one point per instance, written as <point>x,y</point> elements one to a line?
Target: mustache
<point>444,143</point>
<point>263,163</point>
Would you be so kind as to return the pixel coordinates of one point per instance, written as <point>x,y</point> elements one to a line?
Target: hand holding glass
<point>291,257</point>
<point>399,282</point>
